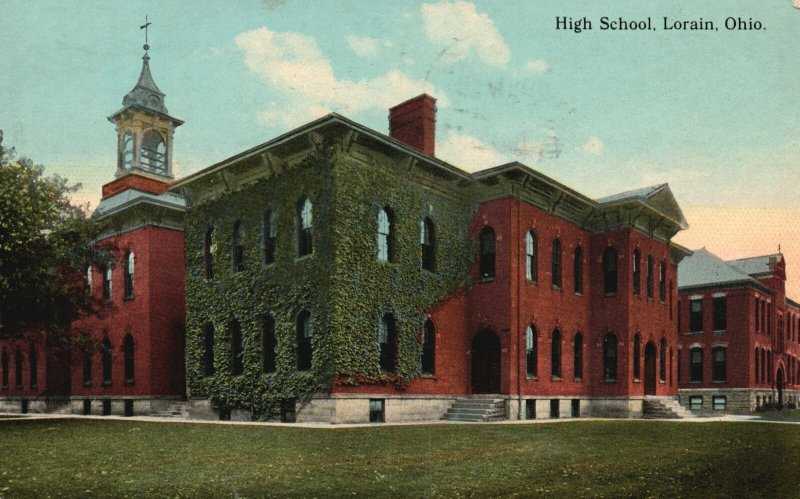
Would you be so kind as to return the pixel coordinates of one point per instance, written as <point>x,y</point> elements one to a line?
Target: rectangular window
<point>696,365</point>
<point>376,411</point>
<point>696,315</point>
<point>554,409</point>
<point>530,408</point>
<point>696,403</point>
<point>719,367</point>
<point>576,408</point>
<point>719,402</point>
<point>107,284</point>
<point>288,410</point>
<point>758,315</point>
<point>720,311</point>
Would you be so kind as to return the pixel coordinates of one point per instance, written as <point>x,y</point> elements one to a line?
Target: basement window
<point>530,408</point>
<point>696,402</point>
<point>376,411</point>
<point>554,409</point>
<point>719,402</point>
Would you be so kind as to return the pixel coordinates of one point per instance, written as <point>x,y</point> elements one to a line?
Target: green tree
<point>44,249</point>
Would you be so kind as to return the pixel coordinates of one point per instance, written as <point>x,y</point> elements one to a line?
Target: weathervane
<point>144,27</point>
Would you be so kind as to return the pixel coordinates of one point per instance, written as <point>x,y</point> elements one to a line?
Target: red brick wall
<point>151,317</point>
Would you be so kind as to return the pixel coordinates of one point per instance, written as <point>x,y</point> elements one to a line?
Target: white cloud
<point>363,46</point>
<point>537,66</point>
<point>293,64</point>
<point>460,30</point>
<point>593,146</point>
<point>468,153</point>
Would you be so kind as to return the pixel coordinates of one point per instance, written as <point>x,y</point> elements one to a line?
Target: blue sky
<point>714,113</point>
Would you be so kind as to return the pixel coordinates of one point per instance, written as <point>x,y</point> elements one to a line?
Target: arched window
<point>757,365</point>
<point>18,368</point>
<point>385,236</point>
<point>610,357</point>
<point>106,351</point>
<point>556,263</point>
<point>763,365</point>
<point>696,365</point>
<point>427,239</point>
<point>637,352</point>
<point>555,354</point>
<point>637,272</point>
<point>662,281</point>
<point>208,253</point>
<point>126,151</point>
<point>387,339</point>
<point>237,363</point>
<point>107,283</point>
<point>4,358</point>
<point>154,152</point>
<point>304,334</point>
<point>34,361</point>
<point>649,277</point>
<point>487,249</point>
<point>87,367</point>
<point>577,270</point>
<point>305,238</point>
<point>127,352</point>
<point>531,351</point>
<point>268,344</point>
<point>719,366</point>
<point>662,361</point>
<point>531,253</point>
<point>428,347</point>
<point>237,247</point>
<point>129,273</point>
<point>208,349</point>
<point>577,357</point>
<point>269,235</point>
<point>610,271</point>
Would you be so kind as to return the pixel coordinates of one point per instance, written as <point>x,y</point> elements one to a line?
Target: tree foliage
<point>44,248</point>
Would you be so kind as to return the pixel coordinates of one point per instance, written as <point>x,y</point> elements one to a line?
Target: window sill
<point>609,381</point>
<point>662,382</point>
<point>556,287</point>
<point>578,380</point>
<point>427,376</point>
<point>486,279</point>
<point>34,387</point>
<point>555,379</point>
<point>18,387</point>
<point>87,383</point>
<point>128,298</point>
<point>720,382</point>
<point>532,378</point>
<point>128,382</point>
<point>303,257</point>
<point>649,300</point>
<point>662,302</point>
<point>106,383</point>
<point>695,382</point>
<point>531,282</point>
<point>609,295</point>
<point>696,332</point>
<point>637,380</point>
<point>720,331</point>
<point>578,293</point>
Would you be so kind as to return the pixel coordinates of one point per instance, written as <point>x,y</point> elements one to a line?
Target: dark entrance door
<point>779,386</point>
<point>650,369</point>
<point>485,363</point>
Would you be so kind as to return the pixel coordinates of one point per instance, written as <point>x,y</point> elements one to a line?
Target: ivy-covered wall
<point>342,283</point>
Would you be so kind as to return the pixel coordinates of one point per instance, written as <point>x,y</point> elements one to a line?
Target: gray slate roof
<point>146,93</point>
<point>757,264</point>
<point>703,268</point>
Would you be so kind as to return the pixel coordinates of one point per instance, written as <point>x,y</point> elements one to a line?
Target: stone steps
<point>664,408</point>
<point>172,411</point>
<point>477,410</point>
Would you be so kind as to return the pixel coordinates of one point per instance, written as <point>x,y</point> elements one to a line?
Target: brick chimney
<point>414,123</point>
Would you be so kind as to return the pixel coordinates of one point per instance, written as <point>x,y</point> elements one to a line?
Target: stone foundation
<point>97,406</point>
<point>701,401</point>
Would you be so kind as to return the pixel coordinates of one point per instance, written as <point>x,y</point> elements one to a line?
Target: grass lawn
<point>785,415</point>
<point>90,458</point>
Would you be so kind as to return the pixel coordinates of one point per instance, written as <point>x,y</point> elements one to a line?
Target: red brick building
<point>738,334</point>
<point>128,358</point>
<point>568,309</point>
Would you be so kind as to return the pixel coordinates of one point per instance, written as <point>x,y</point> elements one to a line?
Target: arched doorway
<point>485,362</point>
<point>779,387</point>
<point>650,369</point>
